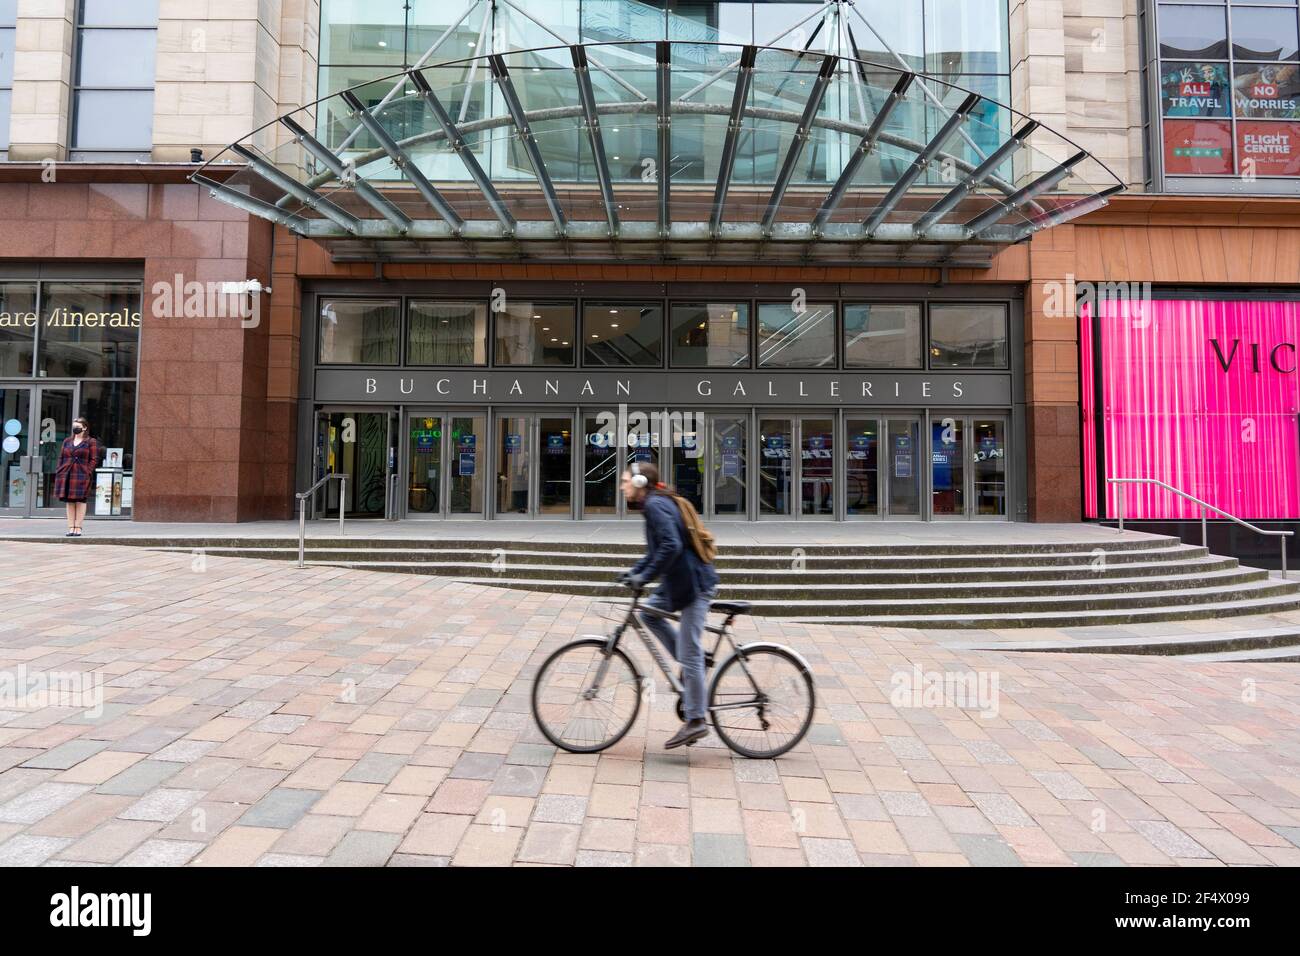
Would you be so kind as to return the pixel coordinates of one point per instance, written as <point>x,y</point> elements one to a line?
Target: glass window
<point>8,34</point>
<point>968,336</point>
<point>120,13</point>
<point>89,330</point>
<point>18,322</point>
<point>446,333</point>
<point>359,331</point>
<point>1193,31</point>
<point>710,335</point>
<point>623,334</point>
<point>114,73</point>
<point>882,335</point>
<point>535,333</point>
<point>117,58</point>
<point>110,409</point>
<point>796,339</point>
<point>966,36</point>
<point>1264,33</point>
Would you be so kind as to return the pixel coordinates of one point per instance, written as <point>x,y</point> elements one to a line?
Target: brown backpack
<point>702,541</point>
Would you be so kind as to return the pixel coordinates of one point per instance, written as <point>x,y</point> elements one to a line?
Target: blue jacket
<point>669,554</point>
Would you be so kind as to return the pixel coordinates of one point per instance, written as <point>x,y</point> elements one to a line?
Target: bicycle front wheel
<point>762,701</point>
<point>586,699</point>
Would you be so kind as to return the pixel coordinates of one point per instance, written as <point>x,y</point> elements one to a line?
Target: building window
<point>446,333</point>
<point>89,330</point>
<point>113,78</point>
<point>76,344</point>
<point>796,338</point>
<point>535,333</point>
<point>1229,95</point>
<point>882,335</point>
<point>8,34</point>
<point>622,334</point>
<point>359,331</point>
<point>18,320</point>
<point>710,335</point>
<point>968,336</point>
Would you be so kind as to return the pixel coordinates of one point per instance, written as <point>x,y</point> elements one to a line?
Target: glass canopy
<point>661,151</point>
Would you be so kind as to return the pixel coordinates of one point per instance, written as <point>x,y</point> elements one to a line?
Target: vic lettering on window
<point>1278,356</point>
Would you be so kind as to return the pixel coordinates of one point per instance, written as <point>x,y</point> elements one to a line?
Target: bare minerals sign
<point>711,387</point>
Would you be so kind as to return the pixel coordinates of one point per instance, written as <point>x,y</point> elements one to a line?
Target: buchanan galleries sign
<point>710,387</point>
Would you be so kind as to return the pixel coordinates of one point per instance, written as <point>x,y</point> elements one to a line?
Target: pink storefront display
<point>1202,395</point>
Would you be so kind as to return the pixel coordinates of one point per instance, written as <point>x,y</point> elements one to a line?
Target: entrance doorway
<point>968,477</point>
<point>709,462</point>
<point>447,458</point>
<point>534,465</point>
<point>796,471</point>
<point>359,443</point>
<point>34,421</point>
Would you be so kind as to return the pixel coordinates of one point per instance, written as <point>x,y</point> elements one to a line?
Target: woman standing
<point>78,460</point>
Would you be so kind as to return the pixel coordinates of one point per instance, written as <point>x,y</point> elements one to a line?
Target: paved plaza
<point>244,712</point>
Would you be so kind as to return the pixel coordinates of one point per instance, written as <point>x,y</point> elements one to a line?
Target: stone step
<point>1078,618</point>
<point>824,608</point>
<point>731,574</point>
<point>855,592</point>
<point>1110,546</point>
<point>1282,654</point>
<point>1088,562</point>
<point>1154,645</point>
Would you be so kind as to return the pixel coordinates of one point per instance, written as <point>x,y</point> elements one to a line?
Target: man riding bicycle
<point>688,585</point>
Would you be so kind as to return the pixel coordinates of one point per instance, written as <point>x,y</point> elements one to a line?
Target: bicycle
<point>587,694</point>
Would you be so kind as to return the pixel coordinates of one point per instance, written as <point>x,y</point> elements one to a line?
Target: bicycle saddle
<point>730,607</point>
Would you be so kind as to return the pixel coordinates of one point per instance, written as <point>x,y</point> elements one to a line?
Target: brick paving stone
<point>436,834</point>
<point>487,846</point>
<point>162,806</point>
<point>288,859</point>
<point>602,858</point>
<point>280,809</point>
<point>987,850</point>
<point>1170,840</point>
<point>363,849</point>
<point>39,802</point>
<point>66,756</point>
<point>560,808</point>
<point>822,852</point>
<point>550,843</point>
<point>137,779</point>
<point>719,849</point>
<point>162,853</point>
<point>30,850</point>
<point>110,842</point>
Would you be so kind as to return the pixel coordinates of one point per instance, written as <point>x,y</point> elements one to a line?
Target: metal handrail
<point>1205,507</point>
<point>302,497</point>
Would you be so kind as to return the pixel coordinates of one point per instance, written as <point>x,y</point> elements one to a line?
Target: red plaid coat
<point>77,464</point>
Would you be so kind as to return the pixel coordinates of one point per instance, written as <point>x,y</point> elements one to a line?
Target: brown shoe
<point>690,732</point>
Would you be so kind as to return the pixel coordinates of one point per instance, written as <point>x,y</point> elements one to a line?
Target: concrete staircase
<point>949,585</point>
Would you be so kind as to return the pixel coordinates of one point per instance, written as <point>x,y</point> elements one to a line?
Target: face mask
<point>76,429</point>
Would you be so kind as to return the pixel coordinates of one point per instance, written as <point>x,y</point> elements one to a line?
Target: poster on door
<point>17,487</point>
<point>466,464</point>
<point>514,443</point>
<point>555,445</point>
<point>902,456</point>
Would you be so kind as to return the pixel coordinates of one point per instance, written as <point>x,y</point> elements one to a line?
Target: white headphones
<point>638,480</point>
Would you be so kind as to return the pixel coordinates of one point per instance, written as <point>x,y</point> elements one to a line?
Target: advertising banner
<point>1268,149</point>
<point>1267,91</point>
<point>1195,89</point>
<point>1198,147</point>
<point>1204,396</point>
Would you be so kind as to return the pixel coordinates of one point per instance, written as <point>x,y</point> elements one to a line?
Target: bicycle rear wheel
<point>584,699</point>
<point>762,701</point>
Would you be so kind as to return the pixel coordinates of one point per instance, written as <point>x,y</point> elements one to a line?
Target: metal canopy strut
<point>798,141</point>
<point>1017,199</point>
<point>860,154</point>
<point>309,196</point>
<point>981,173</point>
<point>462,150</point>
<point>739,97</point>
<point>920,164</point>
<point>348,176</point>
<point>507,87</point>
<point>663,150</point>
<point>592,122</point>
<point>404,163</point>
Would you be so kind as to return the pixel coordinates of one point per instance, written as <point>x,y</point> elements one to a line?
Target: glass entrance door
<point>775,467</point>
<point>600,471</point>
<point>988,456</point>
<point>728,465</point>
<point>446,453</point>
<point>903,470</point>
<point>817,467</point>
<point>555,465</point>
<point>34,421</point>
<point>514,453</point>
<point>466,452</point>
<point>862,467</point>
<point>357,443</point>
<point>948,467</point>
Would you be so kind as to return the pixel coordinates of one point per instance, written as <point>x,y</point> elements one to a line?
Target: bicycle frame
<point>723,632</point>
